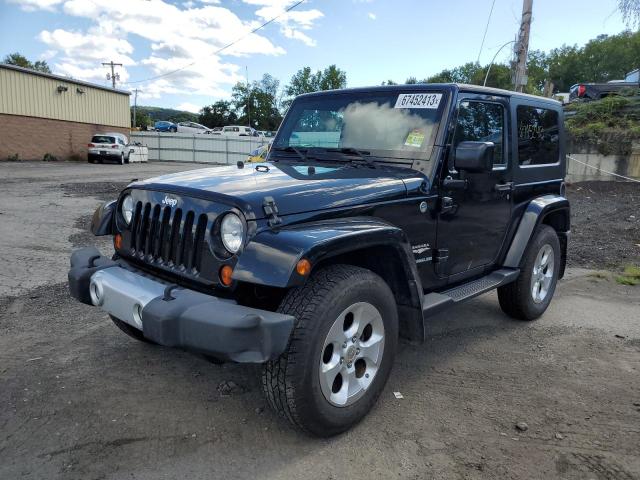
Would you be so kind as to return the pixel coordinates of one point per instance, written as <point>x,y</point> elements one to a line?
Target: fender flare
<point>103,219</point>
<point>271,256</point>
<point>534,214</point>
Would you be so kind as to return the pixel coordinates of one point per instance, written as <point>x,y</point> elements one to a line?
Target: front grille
<point>170,237</point>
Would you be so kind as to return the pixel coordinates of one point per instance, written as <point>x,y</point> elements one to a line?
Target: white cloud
<point>372,15</point>
<point>182,36</point>
<point>189,107</point>
<point>291,23</point>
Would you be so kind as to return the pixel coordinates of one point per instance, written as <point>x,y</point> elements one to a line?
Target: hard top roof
<point>451,87</point>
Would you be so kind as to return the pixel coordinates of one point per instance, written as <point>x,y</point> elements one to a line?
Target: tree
<point>22,61</point>
<point>305,81</point>
<point>630,12</point>
<point>219,114</point>
<point>257,103</point>
<point>142,120</point>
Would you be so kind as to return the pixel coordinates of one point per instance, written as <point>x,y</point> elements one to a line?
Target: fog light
<point>137,314</point>
<point>95,292</point>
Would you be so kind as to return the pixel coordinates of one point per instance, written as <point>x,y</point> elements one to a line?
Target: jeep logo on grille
<point>172,202</point>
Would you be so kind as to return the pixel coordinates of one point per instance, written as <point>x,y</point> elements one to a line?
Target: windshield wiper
<point>295,150</point>
<point>361,155</point>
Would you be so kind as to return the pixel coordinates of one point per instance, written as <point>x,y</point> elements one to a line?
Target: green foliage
<point>630,276</point>
<point>611,124</point>
<point>170,114</point>
<point>142,120</point>
<point>48,157</point>
<point>13,158</point>
<point>22,61</point>
<point>218,114</point>
<point>630,12</point>
<point>305,81</point>
<point>256,104</point>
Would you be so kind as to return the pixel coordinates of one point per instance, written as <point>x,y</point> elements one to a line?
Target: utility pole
<point>248,96</point>
<point>114,76</point>
<point>135,105</point>
<point>522,46</point>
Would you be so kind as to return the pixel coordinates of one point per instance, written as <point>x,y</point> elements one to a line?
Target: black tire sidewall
<point>545,235</point>
<point>323,417</point>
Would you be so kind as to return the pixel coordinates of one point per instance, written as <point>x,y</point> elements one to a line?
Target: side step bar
<point>436,302</point>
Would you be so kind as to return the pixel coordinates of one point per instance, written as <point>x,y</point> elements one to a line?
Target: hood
<point>292,187</point>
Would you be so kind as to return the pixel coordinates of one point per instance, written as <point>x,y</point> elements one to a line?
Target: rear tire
<point>122,159</point>
<point>529,296</point>
<point>131,331</point>
<point>336,364</point>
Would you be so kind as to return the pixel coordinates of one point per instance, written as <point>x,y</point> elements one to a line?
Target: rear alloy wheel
<point>340,352</point>
<point>122,159</point>
<point>529,296</point>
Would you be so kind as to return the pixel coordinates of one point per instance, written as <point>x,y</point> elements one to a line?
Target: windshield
<point>391,125</point>
<point>102,139</point>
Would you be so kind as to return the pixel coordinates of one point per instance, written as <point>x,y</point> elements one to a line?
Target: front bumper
<point>176,317</point>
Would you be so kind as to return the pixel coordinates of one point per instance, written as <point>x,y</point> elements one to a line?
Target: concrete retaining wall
<point>625,165</point>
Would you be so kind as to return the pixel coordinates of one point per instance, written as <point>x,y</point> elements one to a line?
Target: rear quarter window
<point>538,136</point>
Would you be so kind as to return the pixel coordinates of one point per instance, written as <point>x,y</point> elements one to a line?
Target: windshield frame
<point>379,156</point>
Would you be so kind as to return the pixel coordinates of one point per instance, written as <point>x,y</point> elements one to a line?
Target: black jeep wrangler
<point>375,209</point>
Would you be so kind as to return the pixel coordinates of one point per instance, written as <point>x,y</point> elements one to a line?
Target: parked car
<point>353,233</point>
<point>238,131</point>
<point>109,147</point>
<point>192,127</point>
<point>216,131</point>
<point>259,154</point>
<point>165,126</point>
<point>596,91</point>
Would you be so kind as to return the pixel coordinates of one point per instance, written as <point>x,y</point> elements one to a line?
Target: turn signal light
<point>114,146</point>
<point>117,241</point>
<point>225,275</point>
<point>303,267</point>
<point>581,90</point>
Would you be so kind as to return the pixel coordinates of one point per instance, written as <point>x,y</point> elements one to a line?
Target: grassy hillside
<point>159,113</point>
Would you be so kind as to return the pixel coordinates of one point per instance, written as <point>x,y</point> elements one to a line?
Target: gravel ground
<point>82,401</point>
<point>605,230</point>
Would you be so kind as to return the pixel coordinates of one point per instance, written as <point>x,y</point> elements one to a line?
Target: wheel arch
<point>552,210</point>
<point>271,257</point>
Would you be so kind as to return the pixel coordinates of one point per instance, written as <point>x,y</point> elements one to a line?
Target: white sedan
<point>192,127</point>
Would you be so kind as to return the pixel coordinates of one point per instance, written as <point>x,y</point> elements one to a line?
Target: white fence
<point>182,147</point>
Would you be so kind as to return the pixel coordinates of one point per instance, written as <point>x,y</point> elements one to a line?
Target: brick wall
<point>32,137</point>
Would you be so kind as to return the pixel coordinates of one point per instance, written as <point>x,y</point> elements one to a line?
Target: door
<point>475,210</point>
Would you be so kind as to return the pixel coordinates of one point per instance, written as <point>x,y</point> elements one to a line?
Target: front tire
<point>340,353</point>
<point>529,296</point>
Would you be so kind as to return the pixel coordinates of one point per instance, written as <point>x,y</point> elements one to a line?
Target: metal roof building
<point>42,113</point>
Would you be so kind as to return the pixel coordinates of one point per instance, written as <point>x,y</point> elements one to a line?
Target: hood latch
<point>271,211</point>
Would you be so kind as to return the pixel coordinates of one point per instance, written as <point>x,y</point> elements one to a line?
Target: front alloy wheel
<point>351,354</point>
<point>340,352</point>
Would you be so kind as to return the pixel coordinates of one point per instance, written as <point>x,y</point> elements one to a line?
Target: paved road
<point>82,401</point>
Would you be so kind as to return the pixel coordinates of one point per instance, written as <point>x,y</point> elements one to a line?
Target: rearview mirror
<point>474,156</point>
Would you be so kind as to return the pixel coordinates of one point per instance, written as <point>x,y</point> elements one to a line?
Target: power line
<point>486,29</point>
<point>287,10</point>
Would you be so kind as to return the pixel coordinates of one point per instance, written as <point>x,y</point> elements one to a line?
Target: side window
<point>538,136</point>
<point>481,122</point>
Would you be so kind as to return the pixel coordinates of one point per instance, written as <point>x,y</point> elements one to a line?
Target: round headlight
<point>231,232</point>
<point>127,209</point>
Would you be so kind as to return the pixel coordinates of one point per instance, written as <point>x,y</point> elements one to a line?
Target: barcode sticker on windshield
<point>418,100</point>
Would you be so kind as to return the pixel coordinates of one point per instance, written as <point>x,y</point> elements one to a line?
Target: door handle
<point>504,187</point>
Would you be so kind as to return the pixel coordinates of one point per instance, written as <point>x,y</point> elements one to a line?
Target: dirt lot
<point>82,401</point>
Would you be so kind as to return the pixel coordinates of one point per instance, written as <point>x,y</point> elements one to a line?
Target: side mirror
<point>474,156</point>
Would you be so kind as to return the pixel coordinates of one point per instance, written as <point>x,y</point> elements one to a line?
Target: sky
<point>372,40</point>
